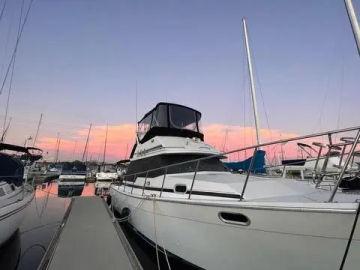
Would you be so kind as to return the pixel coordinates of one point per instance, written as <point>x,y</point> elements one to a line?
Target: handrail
<point>347,161</point>
<point>256,147</point>
<point>248,148</point>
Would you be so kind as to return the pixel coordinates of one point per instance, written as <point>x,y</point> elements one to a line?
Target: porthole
<point>234,218</point>
<point>180,188</point>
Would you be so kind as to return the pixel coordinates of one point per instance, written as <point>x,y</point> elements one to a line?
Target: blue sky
<point>79,60</point>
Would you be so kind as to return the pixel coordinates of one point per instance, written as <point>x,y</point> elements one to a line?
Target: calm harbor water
<point>27,246</point>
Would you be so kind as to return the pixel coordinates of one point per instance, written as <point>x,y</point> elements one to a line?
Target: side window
<point>144,126</point>
<point>160,118</point>
<point>2,192</point>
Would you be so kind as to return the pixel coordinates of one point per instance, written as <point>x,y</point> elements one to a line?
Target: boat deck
<point>88,239</point>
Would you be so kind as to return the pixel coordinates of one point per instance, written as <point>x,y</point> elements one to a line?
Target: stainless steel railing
<point>346,141</point>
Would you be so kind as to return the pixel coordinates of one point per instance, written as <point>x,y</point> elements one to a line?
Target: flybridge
<point>168,119</point>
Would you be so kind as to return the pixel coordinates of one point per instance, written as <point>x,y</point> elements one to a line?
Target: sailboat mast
<point>58,150</point>
<point>73,154</point>
<point>37,130</point>
<point>354,22</point>
<point>252,83</point>
<point>107,127</point>
<point>57,146</point>
<point>86,144</point>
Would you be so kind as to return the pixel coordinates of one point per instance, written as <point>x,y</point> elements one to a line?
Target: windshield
<point>183,118</point>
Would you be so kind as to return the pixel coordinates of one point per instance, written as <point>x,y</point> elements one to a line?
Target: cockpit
<point>168,119</point>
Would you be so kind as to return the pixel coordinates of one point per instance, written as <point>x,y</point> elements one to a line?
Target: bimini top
<point>168,119</point>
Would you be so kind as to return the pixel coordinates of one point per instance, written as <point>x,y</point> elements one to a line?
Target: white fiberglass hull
<point>277,237</point>
<point>12,215</point>
<point>71,180</point>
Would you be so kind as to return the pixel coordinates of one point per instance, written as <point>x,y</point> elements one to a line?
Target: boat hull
<point>275,238</point>
<point>12,215</point>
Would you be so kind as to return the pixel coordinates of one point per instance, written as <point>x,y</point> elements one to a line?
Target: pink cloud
<point>119,143</point>
<point>121,138</point>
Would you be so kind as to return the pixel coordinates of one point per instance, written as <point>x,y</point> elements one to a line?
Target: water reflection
<point>70,191</point>
<point>26,248</point>
<point>10,252</point>
<point>41,221</point>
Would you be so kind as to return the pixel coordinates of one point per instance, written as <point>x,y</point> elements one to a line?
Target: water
<point>27,246</point>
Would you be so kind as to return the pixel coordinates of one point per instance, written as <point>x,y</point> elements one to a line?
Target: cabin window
<point>2,192</point>
<point>142,165</point>
<point>180,188</point>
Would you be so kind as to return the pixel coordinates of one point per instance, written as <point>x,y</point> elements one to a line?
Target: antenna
<point>106,134</point>
<point>354,22</point>
<point>86,144</point>
<point>252,83</point>
<point>37,130</point>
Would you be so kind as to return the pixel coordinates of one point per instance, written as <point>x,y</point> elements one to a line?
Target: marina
<point>180,135</point>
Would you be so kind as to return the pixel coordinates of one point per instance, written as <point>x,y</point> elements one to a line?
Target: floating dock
<point>89,239</point>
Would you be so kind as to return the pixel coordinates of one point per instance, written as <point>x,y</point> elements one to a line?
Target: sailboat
<point>15,193</point>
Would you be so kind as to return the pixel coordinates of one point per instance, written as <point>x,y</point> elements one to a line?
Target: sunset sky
<point>79,62</point>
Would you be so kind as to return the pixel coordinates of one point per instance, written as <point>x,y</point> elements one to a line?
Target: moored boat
<point>104,178</point>
<point>72,179</point>
<point>15,193</point>
<point>178,194</point>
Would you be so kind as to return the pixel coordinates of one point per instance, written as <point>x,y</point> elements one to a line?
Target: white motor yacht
<point>72,179</point>
<point>104,178</point>
<point>178,195</point>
